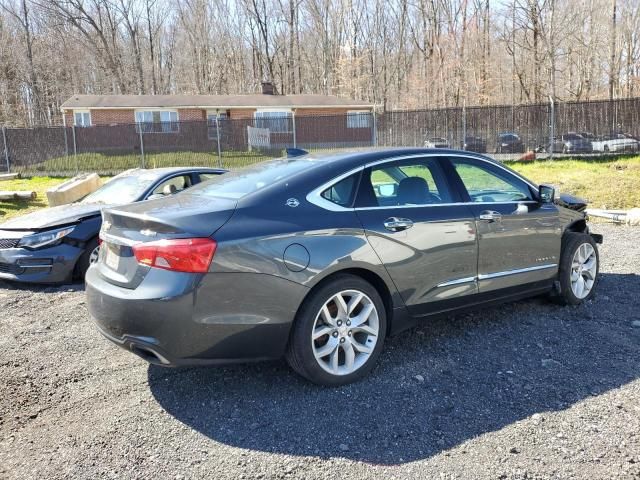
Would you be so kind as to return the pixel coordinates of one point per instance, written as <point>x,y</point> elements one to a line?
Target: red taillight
<point>181,255</point>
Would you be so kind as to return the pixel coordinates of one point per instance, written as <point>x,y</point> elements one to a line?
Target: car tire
<point>326,346</point>
<point>606,149</point>
<point>86,259</point>
<point>579,269</point>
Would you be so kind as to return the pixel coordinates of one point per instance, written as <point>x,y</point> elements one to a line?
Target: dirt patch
<point>525,390</point>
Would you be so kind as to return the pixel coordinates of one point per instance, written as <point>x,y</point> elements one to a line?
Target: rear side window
<point>342,192</point>
<point>404,183</point>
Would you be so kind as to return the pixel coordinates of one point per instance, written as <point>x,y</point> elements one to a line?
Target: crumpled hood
<point>573,203</point>
<point>53,217</point>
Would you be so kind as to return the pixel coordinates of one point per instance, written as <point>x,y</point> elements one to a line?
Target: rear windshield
<point>235,185</point>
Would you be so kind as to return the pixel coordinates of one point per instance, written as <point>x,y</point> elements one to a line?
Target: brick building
<point>304,120</point>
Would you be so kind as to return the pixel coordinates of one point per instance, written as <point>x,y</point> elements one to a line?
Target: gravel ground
<point>525,390</point>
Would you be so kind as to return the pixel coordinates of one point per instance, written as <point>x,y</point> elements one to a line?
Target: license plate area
<point>112,256</point>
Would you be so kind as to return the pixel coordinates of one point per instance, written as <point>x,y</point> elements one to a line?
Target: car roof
<point>344,161</point>
<point>165,171</point>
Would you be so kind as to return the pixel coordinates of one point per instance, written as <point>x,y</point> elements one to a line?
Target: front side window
<point>276,121</point>
<point>404,183</point>
<point>82,119</point>
<point>158,121</point>
<point>487,184</point>
<point>173,185</point>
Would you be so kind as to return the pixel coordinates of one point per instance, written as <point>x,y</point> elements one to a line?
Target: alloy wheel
<point>93,256</point>
<point>584,268</point>
<point>345,332</point>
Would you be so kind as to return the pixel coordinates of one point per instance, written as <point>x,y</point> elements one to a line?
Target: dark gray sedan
<point>319,258</point>
<point>57,244</point>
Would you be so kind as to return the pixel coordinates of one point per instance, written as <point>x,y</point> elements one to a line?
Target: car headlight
<point>49,237</point>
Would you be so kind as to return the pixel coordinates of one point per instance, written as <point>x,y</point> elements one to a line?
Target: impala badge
<point>148,233</point>
<point>292,202</point>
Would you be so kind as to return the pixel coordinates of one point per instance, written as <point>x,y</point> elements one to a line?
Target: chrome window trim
<point>315,196</point>
<point>487,276</point>
<point>442,205</point>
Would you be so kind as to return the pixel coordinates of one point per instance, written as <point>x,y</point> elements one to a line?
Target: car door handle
<point>396,224</point>
<point>490,215</point>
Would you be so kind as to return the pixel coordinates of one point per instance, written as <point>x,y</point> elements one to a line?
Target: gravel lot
<point>526,390</point>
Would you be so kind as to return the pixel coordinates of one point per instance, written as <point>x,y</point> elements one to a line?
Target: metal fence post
<point>66,141</point>
<point>73,134</point>
<point>552,127</point>
<point>293,125</point>
<point>464,124</point>
<point>140,125</point>
<point>374,127</point>
<point>218,138</point>
<point>6,149</point>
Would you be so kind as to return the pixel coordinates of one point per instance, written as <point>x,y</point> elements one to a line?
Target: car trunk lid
<point>181,216</point>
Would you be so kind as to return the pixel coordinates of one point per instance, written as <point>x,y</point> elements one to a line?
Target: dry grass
<point>14,208</point>
<point>611,183</point>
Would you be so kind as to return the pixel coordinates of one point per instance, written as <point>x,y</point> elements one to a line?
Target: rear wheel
<point>579,267</point>
<point>338,332</point>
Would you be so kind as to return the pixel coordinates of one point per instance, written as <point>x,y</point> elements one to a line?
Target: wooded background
<point>399,54</point>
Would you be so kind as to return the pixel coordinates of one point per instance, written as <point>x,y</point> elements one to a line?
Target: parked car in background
<point>616,142</point>
<point>474,144</point>
<point>306,258</point>
<point>436,142</point>
<point>57,245</point>
<point>588,135</point>
<point>572,143</point>
<point>509,142</point>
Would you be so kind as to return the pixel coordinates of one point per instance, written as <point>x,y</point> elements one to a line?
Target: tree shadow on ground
<point>481,371</point>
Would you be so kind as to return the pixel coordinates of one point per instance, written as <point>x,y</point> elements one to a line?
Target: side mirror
<point>546,193</point>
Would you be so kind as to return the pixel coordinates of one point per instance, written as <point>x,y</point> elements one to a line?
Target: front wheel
<point>338,332</point>
<point>579,268</point>
<point>88,258</point>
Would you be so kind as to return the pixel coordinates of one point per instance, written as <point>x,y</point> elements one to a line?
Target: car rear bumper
<point>48,265</point>
<point>179,319</point>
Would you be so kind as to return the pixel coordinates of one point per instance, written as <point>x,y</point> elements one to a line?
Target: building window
<point>212,125</point>
<point>277,121</point>
<point>358,119</point>
<point>82,118</point>
<point>158,121</point>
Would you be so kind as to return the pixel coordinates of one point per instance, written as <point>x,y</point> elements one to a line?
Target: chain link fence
<point>506,132</point>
